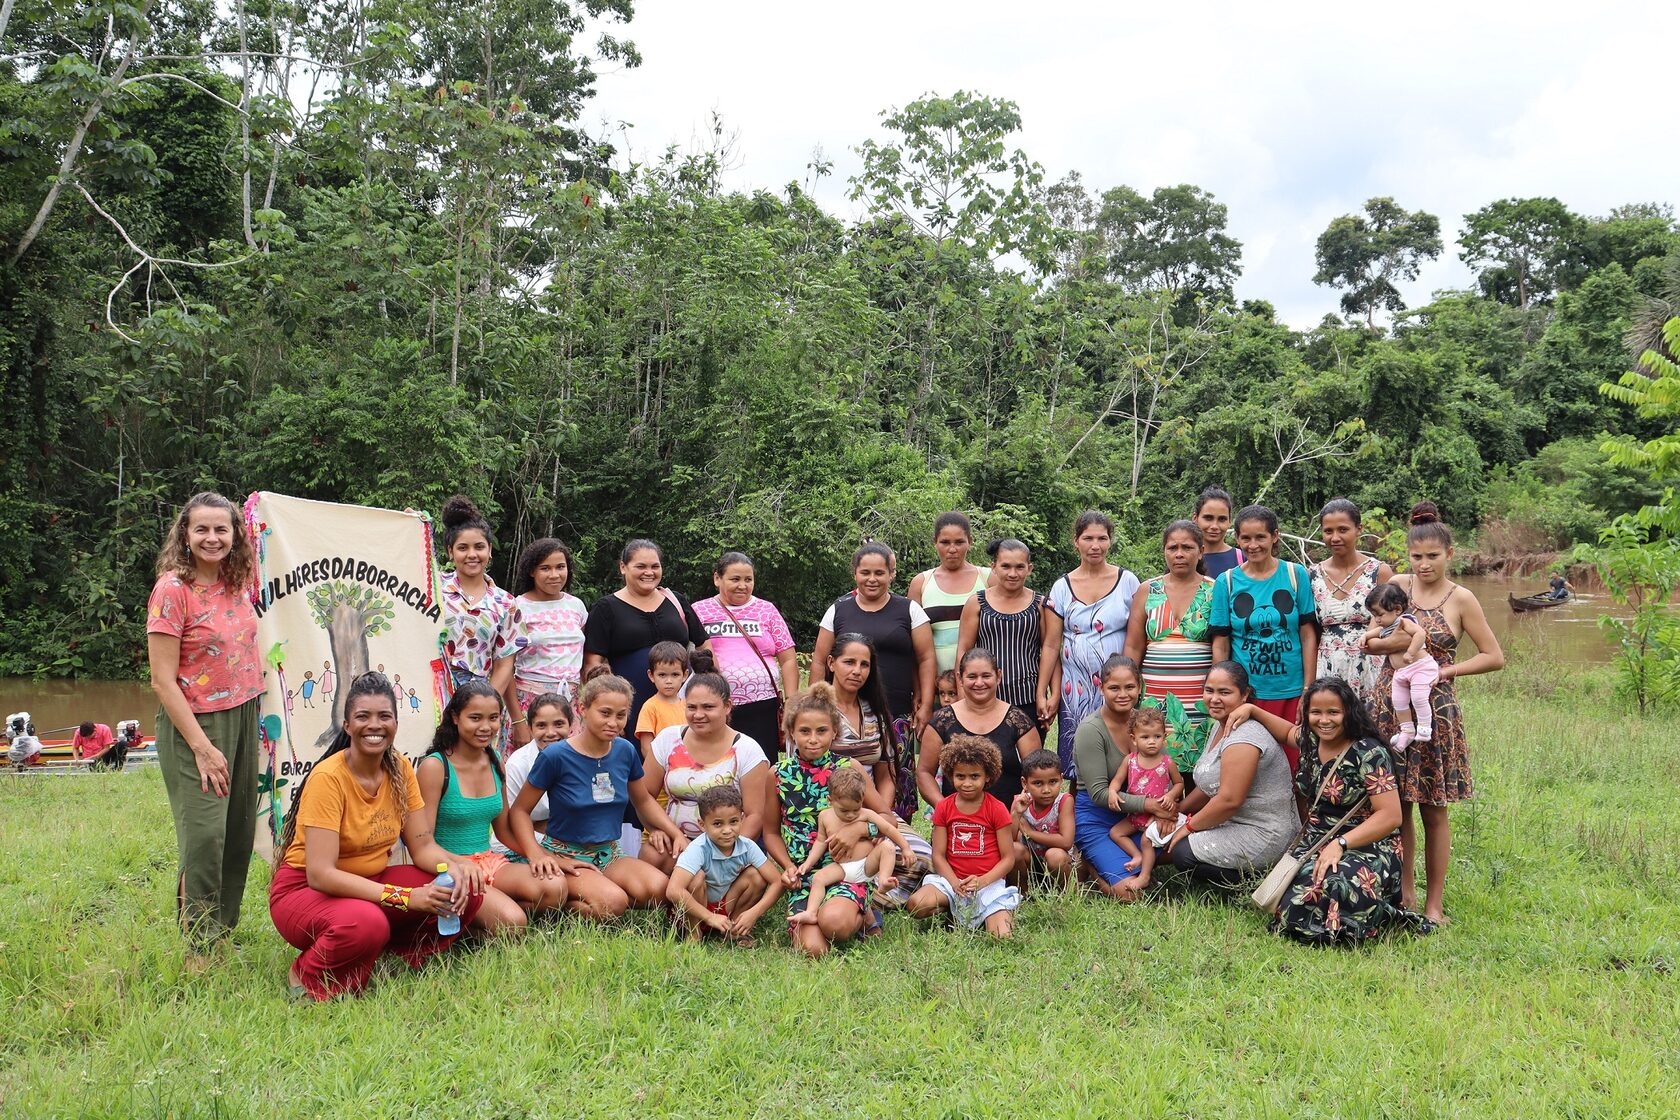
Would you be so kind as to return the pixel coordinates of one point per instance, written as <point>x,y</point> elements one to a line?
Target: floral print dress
<point>1090,633</point>
<point>1343,620</point>
<point>803,790</point>
<point>476,635</point>
<point>1361,896</point>
<point>1436,772</point>
<point>1176,660</point>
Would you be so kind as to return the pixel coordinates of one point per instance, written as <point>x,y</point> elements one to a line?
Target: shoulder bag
<point>775,680</point>
<point>1268,896</point>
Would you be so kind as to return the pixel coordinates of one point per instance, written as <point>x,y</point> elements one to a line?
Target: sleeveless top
<point>1090,632</point>
<point>1179,653</point>
<point>1006,737</point>
<point>1016,642</point>
<point>861,744</point>
<point>1343,620</point>
<point>463,823</point>
<point>895,651</point>
<point>944,613</point>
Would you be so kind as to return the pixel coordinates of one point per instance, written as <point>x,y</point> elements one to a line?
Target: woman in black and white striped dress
<point>1008,619</point>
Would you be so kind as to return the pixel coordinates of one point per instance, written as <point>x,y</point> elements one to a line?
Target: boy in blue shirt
<point>723,881</point>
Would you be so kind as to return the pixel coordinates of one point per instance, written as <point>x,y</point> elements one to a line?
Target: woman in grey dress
<point>1241,815</point>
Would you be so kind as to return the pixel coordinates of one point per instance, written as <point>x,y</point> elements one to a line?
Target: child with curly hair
<point>973,844</point>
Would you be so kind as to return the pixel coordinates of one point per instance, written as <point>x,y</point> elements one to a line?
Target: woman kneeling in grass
<point>589,778</point>
<point>1351,891</point>
<point>973,844</point>
<point>334,895</point>
<point>462,785</point>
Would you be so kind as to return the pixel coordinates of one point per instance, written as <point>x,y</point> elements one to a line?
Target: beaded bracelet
<point>393,896</point>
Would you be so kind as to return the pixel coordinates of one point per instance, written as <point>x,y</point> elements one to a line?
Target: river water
<point>1568,634</point>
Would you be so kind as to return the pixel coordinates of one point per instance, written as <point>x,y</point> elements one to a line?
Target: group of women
<point>1274,687</point>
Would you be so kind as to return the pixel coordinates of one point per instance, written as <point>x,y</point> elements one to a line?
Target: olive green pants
<point>213,835</point>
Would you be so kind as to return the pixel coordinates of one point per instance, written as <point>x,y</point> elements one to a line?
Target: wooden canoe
<point>1525,603</point>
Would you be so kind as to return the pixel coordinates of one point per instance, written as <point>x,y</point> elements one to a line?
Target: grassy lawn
<point>1554,993</point>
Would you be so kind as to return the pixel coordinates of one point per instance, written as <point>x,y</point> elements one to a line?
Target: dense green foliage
<point>1551,994</point>
<point>366,253</point>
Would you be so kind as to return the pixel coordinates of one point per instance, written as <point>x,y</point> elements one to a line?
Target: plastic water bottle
<point>448,924</point>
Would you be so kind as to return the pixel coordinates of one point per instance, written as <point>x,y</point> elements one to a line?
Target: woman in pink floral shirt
<point>201,641</point>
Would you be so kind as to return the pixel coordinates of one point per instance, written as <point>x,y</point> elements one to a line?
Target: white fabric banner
<point>340,590</point>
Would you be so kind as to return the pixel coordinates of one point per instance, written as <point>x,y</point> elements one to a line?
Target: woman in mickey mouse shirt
<point>1265,619</point>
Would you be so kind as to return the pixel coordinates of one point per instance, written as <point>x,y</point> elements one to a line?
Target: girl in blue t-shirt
<point>1264,618</point>
<point>589,778</point>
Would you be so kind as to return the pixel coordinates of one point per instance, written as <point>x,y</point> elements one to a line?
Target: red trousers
<point>1290,710</point>
<point>341,938</point>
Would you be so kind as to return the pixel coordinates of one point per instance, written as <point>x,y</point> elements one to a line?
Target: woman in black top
<point>899,630</point>
<point>625,625</point>
<point>1007,618</point>
<point>979,711</point>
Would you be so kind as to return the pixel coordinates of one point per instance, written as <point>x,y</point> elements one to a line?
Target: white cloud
<point>1289,117</point>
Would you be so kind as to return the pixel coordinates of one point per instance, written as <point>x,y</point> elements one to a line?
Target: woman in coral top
<point>201,642</point>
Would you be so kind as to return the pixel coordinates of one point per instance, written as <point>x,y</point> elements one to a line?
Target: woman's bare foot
<point>1438,916</point>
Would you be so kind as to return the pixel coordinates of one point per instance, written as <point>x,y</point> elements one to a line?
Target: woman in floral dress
<point>1340,585</point>
<point>1350,891</point>
<point>477,615</point>
<point>1089,609</point>
<point>1168,638</point>
<point>1434,773</point>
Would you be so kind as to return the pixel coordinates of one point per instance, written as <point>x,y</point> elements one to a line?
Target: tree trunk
<point>348,635</point>
<point>73,150</point>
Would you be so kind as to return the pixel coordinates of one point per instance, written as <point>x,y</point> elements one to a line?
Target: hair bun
<point>1425,513</point>
<point>459,510</point>
<point>702,661</point>
<point>599,669</point>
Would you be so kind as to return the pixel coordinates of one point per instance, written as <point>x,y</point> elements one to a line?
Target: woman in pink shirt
<point>753,648</point>
<point>201,641</point>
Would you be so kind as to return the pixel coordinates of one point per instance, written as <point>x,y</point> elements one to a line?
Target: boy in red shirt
<point>973,844</point>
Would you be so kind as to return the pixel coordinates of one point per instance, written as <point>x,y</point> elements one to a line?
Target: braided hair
<point>368,684</point>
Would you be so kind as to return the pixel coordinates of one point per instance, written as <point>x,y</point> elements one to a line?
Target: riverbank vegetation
<point>1552,993</point>
<point>370,254</point>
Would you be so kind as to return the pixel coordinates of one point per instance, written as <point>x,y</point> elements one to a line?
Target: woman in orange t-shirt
<point>335,895</point>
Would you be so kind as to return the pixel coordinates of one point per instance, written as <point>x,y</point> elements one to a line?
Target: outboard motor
<point>26,748</point>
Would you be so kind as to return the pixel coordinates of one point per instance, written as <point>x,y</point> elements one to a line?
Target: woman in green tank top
<point>461,785</point>
<point>942,591</point>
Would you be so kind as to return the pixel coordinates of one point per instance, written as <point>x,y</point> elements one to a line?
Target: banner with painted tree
<point>340,590</point>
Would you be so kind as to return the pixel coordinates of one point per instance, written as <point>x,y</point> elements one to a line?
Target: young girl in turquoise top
<point>461,785</point>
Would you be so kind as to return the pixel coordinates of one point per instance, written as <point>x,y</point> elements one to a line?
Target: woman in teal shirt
<point>461,784</point>
<point>1265,619</point>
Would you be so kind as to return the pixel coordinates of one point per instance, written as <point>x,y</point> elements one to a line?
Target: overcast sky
<point>1289,119</point>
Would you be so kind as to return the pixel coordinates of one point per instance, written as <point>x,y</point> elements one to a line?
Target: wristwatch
<point>1342,840</point>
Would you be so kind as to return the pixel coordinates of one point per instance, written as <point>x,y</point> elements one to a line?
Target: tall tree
<point>1174,241</point>
<point>1369,254</point>
<point>1517,243</point>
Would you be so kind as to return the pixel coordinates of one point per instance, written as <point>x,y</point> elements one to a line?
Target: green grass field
<point>1554,993</point>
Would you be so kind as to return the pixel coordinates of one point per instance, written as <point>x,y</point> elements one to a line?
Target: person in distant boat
<point>1561,587</point>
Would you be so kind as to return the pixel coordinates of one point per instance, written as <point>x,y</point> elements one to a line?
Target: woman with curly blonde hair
<point>201,641</point>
